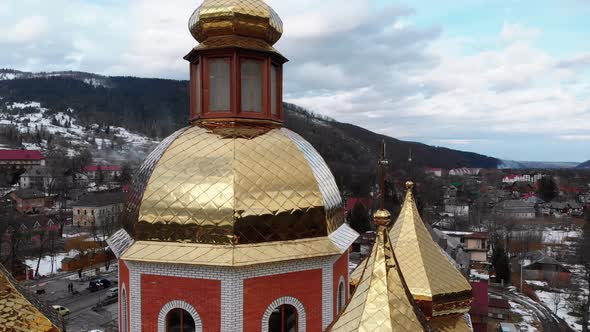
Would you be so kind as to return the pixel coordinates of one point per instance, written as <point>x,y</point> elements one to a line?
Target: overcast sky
<point>510,79</point>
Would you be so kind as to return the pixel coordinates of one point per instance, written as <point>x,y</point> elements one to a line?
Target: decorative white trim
<point>124,304</point>
<point>340,304</point>
<point>134,297</point>
<point>177,304</point>
<point>301,317</point>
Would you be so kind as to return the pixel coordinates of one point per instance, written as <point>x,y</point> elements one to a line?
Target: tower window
<point>251,85</point>
<point>179,320</point>
<point>123,310</point>
<point>219,84</point>
<point>197,80</point>
<point>341,297</point>
<point>273,90</point>
<point>283,319</point>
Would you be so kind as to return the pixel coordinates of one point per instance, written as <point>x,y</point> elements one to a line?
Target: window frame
<point>206,85</point>
<point>264,87</point>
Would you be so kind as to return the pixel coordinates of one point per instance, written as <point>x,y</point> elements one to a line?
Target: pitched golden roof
<point>381,301</point>
<point>430,275</point>
<point>456,323</point>
<point>20,311</point>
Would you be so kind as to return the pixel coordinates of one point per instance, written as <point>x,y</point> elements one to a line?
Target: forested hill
<point>584,164</point>
<point>156,107</point>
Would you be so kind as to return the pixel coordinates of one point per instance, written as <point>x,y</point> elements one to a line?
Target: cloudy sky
<point>506,78</point>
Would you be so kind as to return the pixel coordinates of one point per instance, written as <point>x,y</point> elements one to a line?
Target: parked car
<point>99,284</point>
<point>106,283</point>
<point>113,292</point>
<point>62,311</point>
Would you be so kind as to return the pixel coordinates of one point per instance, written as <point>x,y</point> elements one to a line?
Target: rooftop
<point>29,155</point>
<point>101,199</point>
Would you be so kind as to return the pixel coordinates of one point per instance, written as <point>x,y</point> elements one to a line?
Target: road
<point>81,317</point>
<point>549,322</point>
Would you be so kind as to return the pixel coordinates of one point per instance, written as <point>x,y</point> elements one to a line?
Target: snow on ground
<point>558,236</point>
<point>537,283</point>
<point>48,264</point>
<point>549,299</point>
<point>475,274</point>
<point>528,317</point>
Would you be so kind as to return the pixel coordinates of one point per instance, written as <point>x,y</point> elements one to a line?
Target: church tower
<point>234,222</point>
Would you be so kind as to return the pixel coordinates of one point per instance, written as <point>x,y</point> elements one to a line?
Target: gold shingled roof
<point>229,255</point>
<point>429,273</point>
<point>237,185</point>
<point>247,18</point>
<point>17,311</point>
<point>381,301</point>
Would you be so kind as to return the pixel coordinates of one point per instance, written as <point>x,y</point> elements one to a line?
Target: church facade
<point>235,223</point>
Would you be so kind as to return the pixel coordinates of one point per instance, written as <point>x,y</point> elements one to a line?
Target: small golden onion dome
<point>246,18</point>
<point>409,185</point>
<point>382,217</point>
<point>224,183</point>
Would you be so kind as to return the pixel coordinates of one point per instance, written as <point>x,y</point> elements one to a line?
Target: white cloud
<point>515,32</point>
<point>574,137</point>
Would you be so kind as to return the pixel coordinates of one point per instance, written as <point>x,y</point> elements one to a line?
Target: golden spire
<point>381,301</point>
<point>437,286</point>
<point>382,216</point>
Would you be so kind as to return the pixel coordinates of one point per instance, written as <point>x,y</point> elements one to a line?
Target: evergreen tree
<point>501,263</point>
<point>359,218</point>
<point>548,189</point>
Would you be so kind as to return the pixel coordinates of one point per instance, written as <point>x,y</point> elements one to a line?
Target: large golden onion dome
<point>230,18</point>
<point>234,184</point>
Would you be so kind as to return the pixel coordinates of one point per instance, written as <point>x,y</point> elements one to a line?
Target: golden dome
<point>234,184</point>
<point>246,18</point>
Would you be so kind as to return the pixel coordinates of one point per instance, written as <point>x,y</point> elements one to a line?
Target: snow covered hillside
<point>31,126</point>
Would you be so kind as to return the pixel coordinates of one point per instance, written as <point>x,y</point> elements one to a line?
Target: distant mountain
<point>584,164</point>
<point>511,164</point>
<point>155,108</point>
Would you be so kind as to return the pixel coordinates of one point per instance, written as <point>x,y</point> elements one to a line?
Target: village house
<point>29,201</point>
<point>30,230</point>
<point>474,243</point>
<point>569,208</point>
<point>102,172</point>
<point>515,209</point>
<point>464,171</point>
<point>21,158</point>
<point>436,172</point>
<point>96,208</point>
<point>38,178</point>
<point>538,266</point>
<point>499,309</point>
<point>513,178</point>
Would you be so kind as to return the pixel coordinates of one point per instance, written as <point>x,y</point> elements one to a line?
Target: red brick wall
<point>305,286</point>
<point>340,269</point>
<point>204,295</point>
<point>124,279</point>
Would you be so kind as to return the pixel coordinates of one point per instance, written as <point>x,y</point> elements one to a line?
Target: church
<point>235,223</point>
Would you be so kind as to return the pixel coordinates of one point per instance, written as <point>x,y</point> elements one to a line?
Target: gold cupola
<point>232,184</point>
<point>235,71</point>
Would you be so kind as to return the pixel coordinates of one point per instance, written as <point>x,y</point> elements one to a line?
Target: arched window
<point>283,319</point>
<point>179,316</point>
<point>285,314</point>
<point>341,301</point>
<point>179,320</point>
<point>123,299</point>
